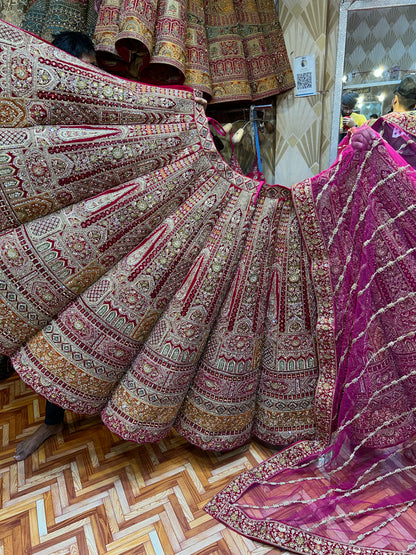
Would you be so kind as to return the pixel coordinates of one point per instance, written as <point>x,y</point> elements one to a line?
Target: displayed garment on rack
<point>133,276</point>
<point>232,51</point>
<point>46,18</point>
<point>352,490</point>
<point>244,143</point>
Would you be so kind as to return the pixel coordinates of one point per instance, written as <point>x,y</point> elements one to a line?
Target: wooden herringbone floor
<point>88,492</point>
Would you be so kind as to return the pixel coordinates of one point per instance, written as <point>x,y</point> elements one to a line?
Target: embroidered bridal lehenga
<point>46,19</point>
<point>136,283</point>
<point>143,279</point>
<point>231,51</point>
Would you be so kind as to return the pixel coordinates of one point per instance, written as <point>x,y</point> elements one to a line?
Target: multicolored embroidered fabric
<point>133,276</point>
<point>144,279</point>
<point>46,19</point>
<point>231,50</point>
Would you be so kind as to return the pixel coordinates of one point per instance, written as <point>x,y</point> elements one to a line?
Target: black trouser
<point>54,414</point>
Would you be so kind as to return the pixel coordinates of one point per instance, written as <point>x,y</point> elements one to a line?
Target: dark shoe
<point>6,368</point>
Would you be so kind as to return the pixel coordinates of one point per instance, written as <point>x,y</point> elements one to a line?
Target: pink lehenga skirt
<point>141,277</point>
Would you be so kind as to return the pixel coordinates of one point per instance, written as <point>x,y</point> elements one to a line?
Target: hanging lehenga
<point>231,51</point>
<point>143,279</point>
<point>47,18</point>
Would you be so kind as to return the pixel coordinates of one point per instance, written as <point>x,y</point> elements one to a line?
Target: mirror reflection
<point>376,47</point>
<point>379,51</point>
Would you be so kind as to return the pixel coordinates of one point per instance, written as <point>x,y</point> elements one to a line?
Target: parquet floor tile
<point>87,492</point>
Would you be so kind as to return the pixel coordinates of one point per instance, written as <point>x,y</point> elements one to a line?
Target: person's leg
<point>53,424</point>
<point>6,368</point>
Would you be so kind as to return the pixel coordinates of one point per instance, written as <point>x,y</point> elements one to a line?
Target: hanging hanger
<point>254,118</point>
<point>238,135</point>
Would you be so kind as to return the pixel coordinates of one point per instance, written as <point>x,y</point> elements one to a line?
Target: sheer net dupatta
<point>356,493</point>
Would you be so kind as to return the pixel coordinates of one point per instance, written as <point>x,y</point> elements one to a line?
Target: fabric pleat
<point>134,280</point>
<point>231,51</point>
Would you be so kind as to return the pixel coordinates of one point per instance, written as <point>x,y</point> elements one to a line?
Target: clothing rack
<point>254,119</point>
<point>225,114</point>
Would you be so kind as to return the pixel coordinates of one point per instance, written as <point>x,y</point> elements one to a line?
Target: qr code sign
<point>304,81</point>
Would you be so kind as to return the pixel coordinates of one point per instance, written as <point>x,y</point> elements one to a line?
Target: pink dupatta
<point>353,489</point>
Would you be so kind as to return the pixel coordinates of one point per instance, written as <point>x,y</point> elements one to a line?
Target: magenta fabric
<point>353,490</point>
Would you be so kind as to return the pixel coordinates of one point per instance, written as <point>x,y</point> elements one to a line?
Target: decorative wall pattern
<point>304,124</point>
